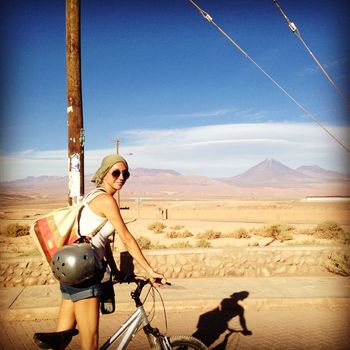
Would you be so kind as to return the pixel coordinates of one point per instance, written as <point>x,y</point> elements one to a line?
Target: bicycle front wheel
<point>186,342</point>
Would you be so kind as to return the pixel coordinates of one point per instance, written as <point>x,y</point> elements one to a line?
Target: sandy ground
<point>195,216</point>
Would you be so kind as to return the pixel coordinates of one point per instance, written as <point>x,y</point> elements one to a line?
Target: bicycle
<point>126,332</point>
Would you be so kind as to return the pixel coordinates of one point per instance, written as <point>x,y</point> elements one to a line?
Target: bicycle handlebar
<point>130,278</point>
<point>135,294</point>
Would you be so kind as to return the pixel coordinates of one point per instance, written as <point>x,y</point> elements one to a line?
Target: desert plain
<point>191,215</point>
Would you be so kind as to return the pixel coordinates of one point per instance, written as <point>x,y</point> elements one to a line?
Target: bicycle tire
<point>186,342</point>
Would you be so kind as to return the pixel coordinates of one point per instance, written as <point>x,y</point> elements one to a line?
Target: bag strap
<point>87,199</point>
<point>98,228</point>
<point>93,194</point>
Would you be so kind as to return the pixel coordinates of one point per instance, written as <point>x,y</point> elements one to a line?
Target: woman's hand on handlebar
<point>157,279</point>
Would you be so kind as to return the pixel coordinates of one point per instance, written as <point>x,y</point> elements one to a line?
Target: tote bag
<point>59,227</point>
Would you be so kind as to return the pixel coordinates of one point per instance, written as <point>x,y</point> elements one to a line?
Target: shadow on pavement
<point>216,322</point>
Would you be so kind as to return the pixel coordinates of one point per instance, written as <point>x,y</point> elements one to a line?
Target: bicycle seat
<point>54,340</point>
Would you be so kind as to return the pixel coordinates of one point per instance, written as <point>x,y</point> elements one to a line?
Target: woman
<point>81,303</point>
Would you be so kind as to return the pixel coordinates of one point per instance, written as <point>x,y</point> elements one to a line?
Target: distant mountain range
<point>269,178</point>
<point>272,173</point>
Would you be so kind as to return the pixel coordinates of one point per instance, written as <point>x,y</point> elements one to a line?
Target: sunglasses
<point>117,173</point>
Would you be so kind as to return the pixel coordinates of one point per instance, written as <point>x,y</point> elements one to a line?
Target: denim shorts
<point>87,289</point>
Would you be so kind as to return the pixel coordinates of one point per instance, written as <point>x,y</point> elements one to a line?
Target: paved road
<point>277,328</point>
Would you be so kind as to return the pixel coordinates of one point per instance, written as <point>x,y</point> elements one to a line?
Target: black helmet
<point>74,263</point>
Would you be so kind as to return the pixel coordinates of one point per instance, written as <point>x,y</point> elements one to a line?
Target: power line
<point>311,115</point>
<point>296,31</point>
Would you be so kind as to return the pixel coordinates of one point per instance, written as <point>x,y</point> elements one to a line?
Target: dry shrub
<point>181,234</point>
<point>328,230</point>
<point>238,234</point>
<point>254,231</point>
<point>17,230</point>
<point>143,242</point>
<point>209,234</point>
<point>203,243</point>
<point>177,227</point>
<point>184,244</point>
<point>339,263</point>
<point>304,242</point>
<point>346,239</point>
<point>157,227</point>
<point>306,231</point>
<point>280,232</point>
<point>158,245</point>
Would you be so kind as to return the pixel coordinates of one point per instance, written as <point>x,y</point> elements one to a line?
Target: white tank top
<point>89,221</point>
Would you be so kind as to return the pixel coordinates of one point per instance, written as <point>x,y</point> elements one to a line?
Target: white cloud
<point>232,148</point>
<point>210,114</point>
<point>216,150</point>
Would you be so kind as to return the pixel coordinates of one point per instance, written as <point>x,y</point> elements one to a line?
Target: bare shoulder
<point>103,202</point>
<point>105,198</point>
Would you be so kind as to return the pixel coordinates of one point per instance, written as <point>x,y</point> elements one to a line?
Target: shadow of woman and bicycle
<point>212,324</point>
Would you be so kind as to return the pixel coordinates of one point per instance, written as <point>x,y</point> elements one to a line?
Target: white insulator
<point>293,27</point>
<point>208,18</point>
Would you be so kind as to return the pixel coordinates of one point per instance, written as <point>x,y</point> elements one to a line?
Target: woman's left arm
<point>108,206</point>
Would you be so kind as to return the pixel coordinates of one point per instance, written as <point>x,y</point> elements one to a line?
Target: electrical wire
<point>152,312</point>
<point>296,31</point>
<point>164,312</point>
<point>308,113</point>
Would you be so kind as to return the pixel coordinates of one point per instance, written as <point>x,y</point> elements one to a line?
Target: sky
<point>176,93</point>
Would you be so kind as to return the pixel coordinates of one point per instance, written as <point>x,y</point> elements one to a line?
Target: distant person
<point>81,303</point>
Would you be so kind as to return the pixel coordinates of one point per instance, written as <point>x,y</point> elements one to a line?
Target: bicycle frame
<point>126,331</point>
<point>131,325</point>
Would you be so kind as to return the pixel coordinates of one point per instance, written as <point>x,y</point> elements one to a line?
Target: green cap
<point>106,165</point>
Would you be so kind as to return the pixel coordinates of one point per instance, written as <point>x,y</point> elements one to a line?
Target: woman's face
<point>117,175</point>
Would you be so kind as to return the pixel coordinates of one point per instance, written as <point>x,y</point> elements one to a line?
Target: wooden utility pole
<point>74,104</point>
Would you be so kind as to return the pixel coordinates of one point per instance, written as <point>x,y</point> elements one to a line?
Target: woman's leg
<point>66,318</point>
<point>87,314</point>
